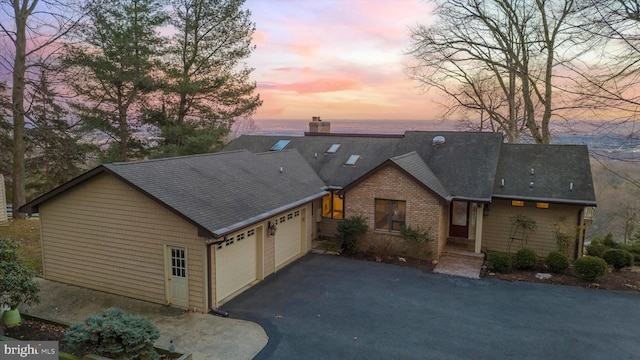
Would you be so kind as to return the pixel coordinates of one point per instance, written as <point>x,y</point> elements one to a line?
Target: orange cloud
<point>314,86</point>
<point>259,37</point>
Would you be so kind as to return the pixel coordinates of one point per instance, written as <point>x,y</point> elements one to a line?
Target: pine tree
<point>207,82</point>
<point>55,147</point>
<point>113,68</point>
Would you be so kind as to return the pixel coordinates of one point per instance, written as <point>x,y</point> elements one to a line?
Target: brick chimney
<point>318,126</point>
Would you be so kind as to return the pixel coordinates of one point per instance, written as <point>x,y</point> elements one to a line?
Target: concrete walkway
<point>205,336</point>
<point>462,264</point>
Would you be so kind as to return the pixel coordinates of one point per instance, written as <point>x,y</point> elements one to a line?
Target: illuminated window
<point>390,214</point>
<point>333,148</point>
<point>519,203</point>
<point>353,159</point>
<point>542,205</point>
<point>280,145</point>
<point>332,206</point>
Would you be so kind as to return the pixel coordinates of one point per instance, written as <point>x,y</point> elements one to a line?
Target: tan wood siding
<point>106,235</point>
<point>497,227</point>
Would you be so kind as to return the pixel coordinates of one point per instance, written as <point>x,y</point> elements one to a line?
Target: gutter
<point>549,200</point>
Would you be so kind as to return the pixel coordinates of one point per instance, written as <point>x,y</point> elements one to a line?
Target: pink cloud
<point>260,37</point>
<point>292,69</point>
<point>314,86</point>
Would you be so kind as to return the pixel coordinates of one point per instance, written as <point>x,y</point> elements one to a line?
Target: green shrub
<point>590,267</point>
<point>349,230</point>
<point>618,258</point>
<point>526,259</point>
<point>418,241</point>
<point>499,261</point>
<point>557,262</point>
<point>17,285</point>
<point>596,249</point>
<point>115,335</point>
<point>634,249</point>
<point>609,242</point>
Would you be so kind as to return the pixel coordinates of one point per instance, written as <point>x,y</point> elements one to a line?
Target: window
<point>333,148</point>
<point>280,145</point>
<point>332,206</point>
<point>251,232</point>
<point>229,241</point>
<point>518,203</point>
<point>178,263</point>
<point>240,237</point>
<point>353,159</point>
<point>542,205</point>
<point>390,214</point>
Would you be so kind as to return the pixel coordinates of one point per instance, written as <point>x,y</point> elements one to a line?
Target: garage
<point>288,242</point>
<point>236,263</point>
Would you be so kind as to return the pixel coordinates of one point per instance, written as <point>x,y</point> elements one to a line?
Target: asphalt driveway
<point>328,307</point>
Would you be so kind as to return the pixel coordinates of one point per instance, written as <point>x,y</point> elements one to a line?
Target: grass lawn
<point>27,234</point>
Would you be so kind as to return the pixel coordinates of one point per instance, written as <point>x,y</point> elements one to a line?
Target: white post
<point>479,218</point>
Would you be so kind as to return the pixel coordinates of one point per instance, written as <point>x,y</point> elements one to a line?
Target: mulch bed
<point>621,280</point>
<point>33,329</point>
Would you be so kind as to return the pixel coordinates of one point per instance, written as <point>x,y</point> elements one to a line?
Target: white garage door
<point>236,263</point>
<point>288,237</point>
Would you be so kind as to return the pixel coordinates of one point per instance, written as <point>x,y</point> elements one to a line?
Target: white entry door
<point>177,280</point>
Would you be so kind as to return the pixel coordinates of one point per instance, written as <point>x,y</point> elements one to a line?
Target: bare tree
<point>36,28</point>
<point>609,82</point>
<point>515,44</point>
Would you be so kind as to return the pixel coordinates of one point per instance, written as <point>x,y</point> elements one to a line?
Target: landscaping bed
<point>33,328</point>
<point>627,279</point>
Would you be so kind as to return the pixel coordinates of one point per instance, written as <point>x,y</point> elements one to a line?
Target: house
<point>195,231</point>
<point>190,231</point>
<point>469,190</point>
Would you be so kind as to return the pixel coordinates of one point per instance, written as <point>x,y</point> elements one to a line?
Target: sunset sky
<point>337,59</point>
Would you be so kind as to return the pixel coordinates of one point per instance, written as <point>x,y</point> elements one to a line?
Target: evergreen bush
<point>500,261</point>
<point>115,335</point>
<point>526,259</point>
<point>418,241</point>
<point>590,267</point>
<point>596,249</point>
<point>17,285</point>
<point>618,258</point>
<point>609,241</point>
<point>634,249</point>
<point>349,230</point>
<point>557,262</point>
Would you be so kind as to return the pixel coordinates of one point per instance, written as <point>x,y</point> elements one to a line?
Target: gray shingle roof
<point>413,164</point>
<point>552,173</point>
<point>220,193</point>
<point>465,164</point>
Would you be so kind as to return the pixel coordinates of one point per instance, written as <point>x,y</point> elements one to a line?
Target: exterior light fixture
<point>272,228</point>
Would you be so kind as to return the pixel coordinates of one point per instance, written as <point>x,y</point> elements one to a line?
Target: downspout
<point>213,309</point>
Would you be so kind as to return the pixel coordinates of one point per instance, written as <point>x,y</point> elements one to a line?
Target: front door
<point>459,219</point>
<point>177,282</point>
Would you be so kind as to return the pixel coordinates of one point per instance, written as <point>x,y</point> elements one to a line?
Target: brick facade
<point>423,210</point>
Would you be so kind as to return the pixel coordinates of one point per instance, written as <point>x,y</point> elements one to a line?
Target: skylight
<point>353,159</point>
<point>280,145</point>
<point>333,148</point>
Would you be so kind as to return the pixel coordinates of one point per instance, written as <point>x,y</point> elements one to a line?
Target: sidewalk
<point>205,336</point>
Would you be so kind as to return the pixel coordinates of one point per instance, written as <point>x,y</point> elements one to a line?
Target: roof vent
<point>438,140</point>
